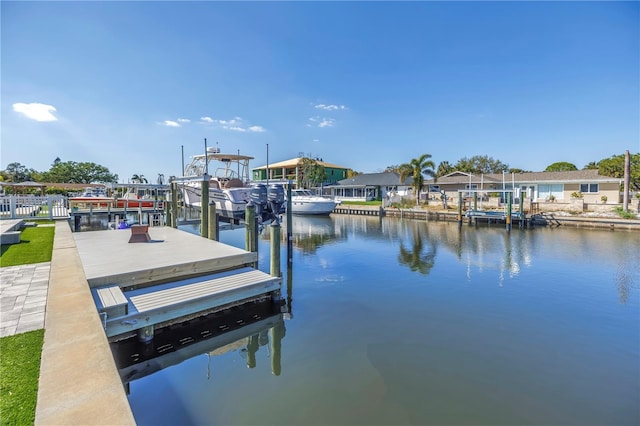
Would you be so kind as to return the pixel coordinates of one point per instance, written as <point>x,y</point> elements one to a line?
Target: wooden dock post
<point>289,226</point>
<point>508,218</point>
<point>251,240</point>
<point>523,217</point>
<point>275,249</point>
<point>167,214</point>
<point>290,291</point>
<point>459,208</point>
<point>204,207</point>
<point>214,227</point>
<point>174,204</point>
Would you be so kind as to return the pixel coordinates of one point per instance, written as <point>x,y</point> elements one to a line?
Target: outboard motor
<point>275,198</point>
<point>258,197</point>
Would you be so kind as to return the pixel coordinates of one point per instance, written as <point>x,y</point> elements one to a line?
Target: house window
<point>589,187</point>
<point>545,191</point>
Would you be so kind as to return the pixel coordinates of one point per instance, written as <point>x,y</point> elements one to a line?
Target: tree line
<point>313,173</point>
<point>60,172</point>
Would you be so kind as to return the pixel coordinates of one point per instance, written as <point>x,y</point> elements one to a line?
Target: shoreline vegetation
<point>21,353</point>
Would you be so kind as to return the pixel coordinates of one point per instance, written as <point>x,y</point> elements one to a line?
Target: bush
<point>604,198</point>
<point>624,214</point>
<point>576,194</point>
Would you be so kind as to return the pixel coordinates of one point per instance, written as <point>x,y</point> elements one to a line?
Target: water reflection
<point>311,232</point>
<point>244,329</point>
<point>414,258</point>
<point>379,347</point>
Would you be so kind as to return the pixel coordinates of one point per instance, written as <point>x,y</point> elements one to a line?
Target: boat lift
<point>506,214</point>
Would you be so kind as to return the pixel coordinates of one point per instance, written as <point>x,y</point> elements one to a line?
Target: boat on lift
<point>139,196</point>
<point>229,186</point>
<point>95,196</point>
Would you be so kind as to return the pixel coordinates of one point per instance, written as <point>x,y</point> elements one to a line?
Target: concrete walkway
<point>23,297</point>
<point>79,381</point>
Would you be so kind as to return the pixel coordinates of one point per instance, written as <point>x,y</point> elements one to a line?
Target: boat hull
<point>312,207</point>
<point>230,203</point>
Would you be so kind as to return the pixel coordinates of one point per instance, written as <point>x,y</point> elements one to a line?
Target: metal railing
<point>33,206</point>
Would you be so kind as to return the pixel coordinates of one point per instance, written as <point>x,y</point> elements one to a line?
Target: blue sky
<point>363,85</point>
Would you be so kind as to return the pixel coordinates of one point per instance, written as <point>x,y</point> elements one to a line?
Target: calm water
<point>407,322</point>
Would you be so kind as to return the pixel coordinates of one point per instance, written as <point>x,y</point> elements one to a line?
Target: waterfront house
<point>284,171</point>
<point>372,186</point>
<point>587,185</point>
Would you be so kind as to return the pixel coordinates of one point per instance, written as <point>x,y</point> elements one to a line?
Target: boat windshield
<point>301,193</point>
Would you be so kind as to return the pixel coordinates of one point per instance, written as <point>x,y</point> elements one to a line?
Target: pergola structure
<point>25,186</point>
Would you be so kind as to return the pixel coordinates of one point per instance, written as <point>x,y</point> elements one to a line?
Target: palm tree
<point>139,179</point>
<point>417,168</point>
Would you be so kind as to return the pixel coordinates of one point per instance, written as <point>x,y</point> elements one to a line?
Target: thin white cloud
<point>235,124</point>
<point>36,111</point>
<point>326,122</point>
<point>330,107</point>
<point>170,123</point>
<point>183,120</point>
<point>321,122</point>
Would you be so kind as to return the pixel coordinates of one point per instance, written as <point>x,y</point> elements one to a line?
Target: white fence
<point>31,206</point>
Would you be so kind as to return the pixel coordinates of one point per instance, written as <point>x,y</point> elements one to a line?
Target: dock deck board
<point>189,292</point>
<point>109,259</point>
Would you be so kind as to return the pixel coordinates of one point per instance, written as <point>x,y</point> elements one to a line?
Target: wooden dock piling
<point>275,249</point>
<point>204,207</point>
<point>508,217</point>
<point>214,224</point>
<point>251,223</point>
<point>174,204</point>
<point>289,226</point>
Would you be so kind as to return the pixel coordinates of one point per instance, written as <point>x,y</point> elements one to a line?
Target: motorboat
<point>229,186</point>
<point>94,196</point>
<point>303,201</point>
<point>135,198</point>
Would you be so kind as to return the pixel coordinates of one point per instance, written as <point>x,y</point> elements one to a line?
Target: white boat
<point>228,185</point>
<point>303,201</point>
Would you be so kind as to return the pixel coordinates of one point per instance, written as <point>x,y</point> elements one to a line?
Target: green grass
<point>36,246</point>
<point>363,203</point>
<point>19,372</point>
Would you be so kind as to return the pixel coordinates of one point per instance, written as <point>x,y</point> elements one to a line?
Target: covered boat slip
<point>174,276</point>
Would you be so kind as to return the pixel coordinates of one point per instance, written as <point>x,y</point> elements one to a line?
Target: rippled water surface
<point>406,322</point>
